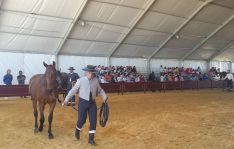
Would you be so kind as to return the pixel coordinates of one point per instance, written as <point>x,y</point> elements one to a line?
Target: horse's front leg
<point>35,113</point>
<point>50,119</point>
<point>42,118</point>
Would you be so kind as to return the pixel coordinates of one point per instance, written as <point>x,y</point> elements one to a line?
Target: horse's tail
<point>30,86</point>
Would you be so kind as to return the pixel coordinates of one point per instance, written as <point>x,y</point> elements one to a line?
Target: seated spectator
<point>193,77</point>
<point>120,78</point>
<point>176,79</point>
<point>103,80</point>
<point>181,78</point>
<point>142,78</point>
<point>170,78</point>
<point>7,79</point>
<point>108,77</point>
<point>205,77</point>
<point>124,79</point>
<point>165,79</point>
<point>137,78</point>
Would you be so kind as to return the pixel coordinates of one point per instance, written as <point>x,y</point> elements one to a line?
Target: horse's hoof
<point>51,136</point>
<point>35,130</point>
<point>40,129</point>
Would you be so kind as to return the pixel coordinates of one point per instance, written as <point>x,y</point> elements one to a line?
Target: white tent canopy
<point>155,30</point>
<point>119,28</point>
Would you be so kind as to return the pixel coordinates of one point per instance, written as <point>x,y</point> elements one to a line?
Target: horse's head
<point>50,75</point>
<point>64,80</point>
<point>59,78</point>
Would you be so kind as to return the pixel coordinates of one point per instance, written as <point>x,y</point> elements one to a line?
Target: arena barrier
<point>22,90</point>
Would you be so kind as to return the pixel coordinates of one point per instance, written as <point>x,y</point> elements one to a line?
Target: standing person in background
<point>199,70</point>
<point>152,77</point>
<point>21,79</point>
<point>72,78</point>
<point>229,78</point>
<point>161,70</point>
<point>7,79</point>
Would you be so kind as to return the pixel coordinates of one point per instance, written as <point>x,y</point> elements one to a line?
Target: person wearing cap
<point>72,78</point>
<point>229,78</point>
<point>88,87</point>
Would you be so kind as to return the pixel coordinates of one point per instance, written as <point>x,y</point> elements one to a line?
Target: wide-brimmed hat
<point>71,68</point>
<point>90,68</point>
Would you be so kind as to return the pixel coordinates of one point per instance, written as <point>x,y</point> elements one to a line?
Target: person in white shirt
<point>137,79</point>
<point>120,78</point>
<point>162,78</point>
<point>176,79</point>
<point>230,79</point>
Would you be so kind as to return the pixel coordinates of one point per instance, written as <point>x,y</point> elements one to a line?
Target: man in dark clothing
<point>72,78</point>
<point>7,79</point>
<point>21,78</point>
<point>152,77</point>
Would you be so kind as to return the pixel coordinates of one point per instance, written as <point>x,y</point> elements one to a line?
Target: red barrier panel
<point>189,85</point>
<point>13,90</point>
<point>205,84</point>
<point>133,87</point>
<point>218,84</point>
<point>172,85</point>
<point>112,87</point>
<point>155,86</point>
<point>22,90</point>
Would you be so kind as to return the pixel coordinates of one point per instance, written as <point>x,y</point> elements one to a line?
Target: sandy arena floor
<point>174,120</point>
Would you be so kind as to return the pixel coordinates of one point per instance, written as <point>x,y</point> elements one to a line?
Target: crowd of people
<point>113,74</point>
<point>178,74</point>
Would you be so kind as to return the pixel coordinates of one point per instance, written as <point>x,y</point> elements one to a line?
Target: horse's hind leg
<point>50,118</point>
<point>42,118</point>
<point>35,112</point>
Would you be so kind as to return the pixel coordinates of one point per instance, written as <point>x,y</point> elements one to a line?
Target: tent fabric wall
<point>79,62</point>
<point>141,64</point>
<point>224,66</point>
<point>195,64</point>
<point>155,64</point>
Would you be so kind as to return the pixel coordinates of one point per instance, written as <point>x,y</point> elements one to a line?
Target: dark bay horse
<point>43,90</point>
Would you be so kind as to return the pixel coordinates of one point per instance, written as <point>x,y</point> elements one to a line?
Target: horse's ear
<point>45,64</point>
